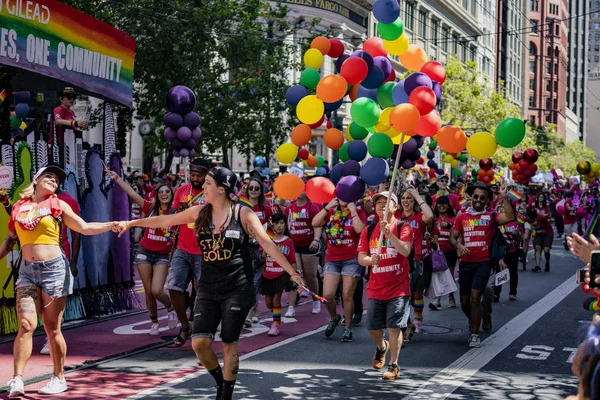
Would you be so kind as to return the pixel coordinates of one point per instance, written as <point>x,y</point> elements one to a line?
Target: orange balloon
<point>312,161</point>
<point>353,92</point>
<point>451,139</point>
<point>332,88</point>
<point>321,43</point>
<point>410,133</point>
<point>288,186</point>
<point>405,117</point>
<point>334,139</point>
<point>301,135</point>
<point>414,58</point>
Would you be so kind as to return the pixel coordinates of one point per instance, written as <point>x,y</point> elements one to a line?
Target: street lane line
<point>202,371</point>
<point>456,374</point>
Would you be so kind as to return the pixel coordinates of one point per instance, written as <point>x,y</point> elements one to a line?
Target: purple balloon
<point>334,106</point>
<point>197,134</point>
<point>415,80</point>
<point>437,89</point>
<point>177,144</point>
<point>336,173</point>
<point>408,164</point>
<point>431,164</point>
<point>184,133</point>
<point>357,150</point>
<point>415,155</point>
<point>410,146</point>
<point>170,134</point>
<point>192,152</point>
<point>351,167</point>
<point>339,62</point>
<point>374,79</point>
<point>350,189</point>
<point>375,171</point>
<point>385,64</point>
<point>365,56</point>
<point>294,94</point>
<point>190,144</point>
<point>184,152</point>
<point>399,96</point>
<point>364,92</point>
<point>181,100</point>
<point>173,120</point>
<point>420,140</point>
<point>191,120</point>
<point>386,11</point>
<point>176,153</point>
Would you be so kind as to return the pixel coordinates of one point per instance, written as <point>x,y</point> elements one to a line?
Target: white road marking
<point>442,385</point>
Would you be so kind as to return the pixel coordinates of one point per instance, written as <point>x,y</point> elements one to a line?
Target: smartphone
<point>580,275</point>
<point>595,269</point>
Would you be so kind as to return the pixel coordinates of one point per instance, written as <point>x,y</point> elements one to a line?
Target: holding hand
<point>112,175</point>
<point>375,260</point>
<point>120,227</point>
<point>314,245</point>
<point>462,251</point>
<point>82,124</point>
<point>332,204</point>
<point>582,248</point>
<point>385,227</point>
<point>352,208</point>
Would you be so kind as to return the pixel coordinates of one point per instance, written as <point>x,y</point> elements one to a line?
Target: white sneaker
<point>172,317</point>
<point>474,341</point>
<point>17,389</point>
<point>290,313</point>
<point>155,330</point>
<point>45,349</point>
<point>316,307</point>
<point>54,386</point>
<point>255,320</point>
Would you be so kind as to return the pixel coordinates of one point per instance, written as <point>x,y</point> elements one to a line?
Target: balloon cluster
<point>588,171</point>
<point>182,125</point>
<point>21,111</point>
<point>523,166</point>
<point>485,173</point>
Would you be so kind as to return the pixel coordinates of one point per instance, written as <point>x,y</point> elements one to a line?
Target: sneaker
<point>566,245</point>
<point>172,318</point>
<point>486,324</point>
<point>155,329</point>
<point>17,389</point>
<point>255,320</point>
<point>356,319</point>
<point>248,323</point>
<point>451,302</point>
<point>45,348</point>
<point>290,313</point>
<point>474,341</point>
<point>316,307</point>
<point>347,336</point>
<point>512,297</point>
<point>54,386</point>
<point>392,373</point>
<point>333,323</point>
<point>274,331</point>
<point>379,357</point>
<point>536,269</point>
<point>418,324</point>
<point>435,304</point>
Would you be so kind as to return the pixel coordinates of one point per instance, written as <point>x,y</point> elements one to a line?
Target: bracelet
<point>421,203</point>
<point>326,209</point>
<point>127,225</point>
<point>73,124</point>
<point>354,216</point>
<point>291,276</point>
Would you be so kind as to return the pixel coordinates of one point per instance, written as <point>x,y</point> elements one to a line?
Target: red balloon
<point>530,155</point>
<point>374,46</point>
<point>354,70</point>
<point>435,71</point>
<point>529,173</point>
<point>431,173</point>
<point>429,124</point>
<point>320,190</point>
<point>421,160</point>
<point>512,166</point>
<point>520,170</point>
<point>533,167</point>
<point>392,77</point>
<point>423,98</point>
<point>329,125</point>
<point>303,154</point>
<point>490,173</point>
<point>318,123</point>
<point>517,156</point>
<point>524,164</point>
<point>336,49</point>
<point>487,179</point>
<point>486,164</point>
<point>481,172</point>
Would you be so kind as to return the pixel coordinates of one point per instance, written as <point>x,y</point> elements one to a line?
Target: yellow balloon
<point>383,124</point>
<point>595,167</point>
<point>454,163</point>
<point>394,133</point>
<point>23,125</point>
<point>482,145</point>
<point>313,58</point>
<point>287,153</point>
<point>396,47</point>
<point>396,139</point>
<point>348,136</point>
<point>448,158</point>
<point>310,109</point>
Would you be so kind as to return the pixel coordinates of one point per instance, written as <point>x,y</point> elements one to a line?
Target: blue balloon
<point>439,171</point>
<point>368,58</point>
<point>374,79</point>
<point>415,80</point>
<point>431,164</point>
<point>266,172</point>
<point>357,150</point>
<point>321,172</point>
<point>339,62</point>
<point>386,11</point>
<point>410,146</point>
<point>399,96</point>
<point>350,189</point>
<point>375,171</point>
<point>364,92</point>
<point>259,162</point>
<point>22,109</point>
<point>336,173</point>
<point>351,167</point>
<point>334,106</point>
<point>437,89</point>
<point>294,94</point>
<point>430,155</point>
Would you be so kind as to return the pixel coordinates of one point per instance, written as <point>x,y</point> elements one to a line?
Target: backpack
<point>411,256</point>
<point>499,244</point>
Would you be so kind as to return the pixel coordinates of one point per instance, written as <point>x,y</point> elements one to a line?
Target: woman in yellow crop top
<point>45,279</point>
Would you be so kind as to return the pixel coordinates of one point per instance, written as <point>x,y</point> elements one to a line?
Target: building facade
<point>577,66</point>
<point>594,37</point>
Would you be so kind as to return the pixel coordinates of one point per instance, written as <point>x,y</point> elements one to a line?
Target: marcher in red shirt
<point>513,234</point>
<point>570,217</point>
<point>388,289</point>
<point>444,221</point>
<point>442,184</point>
<point>544,235</point>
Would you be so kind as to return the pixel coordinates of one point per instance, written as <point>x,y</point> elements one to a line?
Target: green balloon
<point>365,112</point>
<point>432,145</point>
<point>357,132</point>
<point>371,129</point>
<point>391,31</point>
<point>320,161</point>
<point>456,172</point>
<point>384,94</point>
<point>510,132</point>
<point>380,145</point>
<point>462,159</point>
<point>15,121</point>
<point>310,78</point>
<point>344,152</point>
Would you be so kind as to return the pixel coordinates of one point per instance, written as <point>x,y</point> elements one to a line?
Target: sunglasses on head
<point>479,197</point>
<point>254,188</point>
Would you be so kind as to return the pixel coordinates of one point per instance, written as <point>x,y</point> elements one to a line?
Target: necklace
<point>335,227</point>
<point>215,242</point>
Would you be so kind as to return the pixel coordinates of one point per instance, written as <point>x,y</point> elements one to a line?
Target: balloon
<point>510,132</point>
<point>517,156</point>
<point>22,97</point>
<point>448,158</point>
<point>364,92</point>
<point>351,167</point>
<point>386,11</point>
<point>350,189</point>
<point>366,57</point>
<point>288,186</point>
<point>309,78</point>
<point>399,95</point>
<point>322,44</point>
<point>530,155</point>
<point>177,144</point>
<point>336,49</point>
<point>301,135</point>
<point>397,47</point>
<point>184,152</point>
<point>397,136</point>
<point>312,161</point>
<point>357,132</point>
<point>343,153</point>
<point>184,134</point>
<point>421,160</point>
<point>374,78</point>
<point>431,164</point>
<point>583,167</point>
<point>170,134</point>
<point>340,61</point>
<point>332,88</point>
<point>385,64</point>
<point>384,94</point>
<point>380,145</point>
<point>295,93</point>
<point>435,71</point>
<point>190,144</point>
<point>415,80</point>
<point>383,124</point>
<point>320,190</point>
<point>355,70</point>
<point>414,58</point>
<point>486,164</point>
<point>357,150</point>
<point>374,46</point>
<point>430,155</point>
<point>410,146</point>
<point>423,98</point>
<point>321,171</point>
<point>176,153</point>
<point>259,162</point>
<point>365,112</point>
<point>429,124</point>
<point>437,89</point>
<point>333,138</point>
<point>310,109</point>
<point>303,154</point>
<point>181,100</point>
<point>482,145</point>
<point>408,164</point>
<point>452,139</point>
<point>173,120</point>
<point>313,58</point>
<point>405,117</point>
<point>287,153</point>
<point>391,77</point>
<point>336,173</point>
<point>432,145</point>
<point>334,105</point>
<point>391,31</point>
<point>22,109</point>
<point>318,123</point>
<point>320,161</point>
<point>375,171</point>
<point>191,120</point>
<point>456,172</point>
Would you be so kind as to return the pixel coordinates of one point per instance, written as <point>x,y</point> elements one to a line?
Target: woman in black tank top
<point>225,288</point>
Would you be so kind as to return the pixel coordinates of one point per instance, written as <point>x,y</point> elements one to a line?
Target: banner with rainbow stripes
<point>58,41</point>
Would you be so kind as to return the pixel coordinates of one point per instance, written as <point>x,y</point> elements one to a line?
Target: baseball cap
<point>200,165</point>
<point>67,91</point>
<point>386,195</point>
<point>226,179</point>
<point>52,169</point>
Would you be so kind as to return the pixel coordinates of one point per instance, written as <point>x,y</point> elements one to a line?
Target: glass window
<point>548,103</point>
<point>549,68</point>
<point>445,38</point>
<point>532,49</point>
<point>465,4</point>
<point>531,101</point>
<point>409,20</point>
<point>556,86</point>
<point>534,26</point>
<point>556,68</point>
<point>454,44</point>
<point>474,8</point>
<point>531,66</point>
<point>532,84</point>
<point>549,51</point>
<point>555,105</point>
<point>548,86</point>
<point>596,47</point>
<point>473,53</point>
<point>435,29</point>
<point>597,37</point>
<point>596,58</point>
<point>422,24</point>
<point>596,25</point>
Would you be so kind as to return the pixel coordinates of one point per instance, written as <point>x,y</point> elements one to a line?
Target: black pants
<point>512,261</point>
<point>358,297</point>
<point>560,225</point>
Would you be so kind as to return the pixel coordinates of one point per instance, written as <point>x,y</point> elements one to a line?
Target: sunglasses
<point>478,197</point>
<point>444,180</point>
<point>70,97</point>
<point>164,192</point>
<point>254,188</point>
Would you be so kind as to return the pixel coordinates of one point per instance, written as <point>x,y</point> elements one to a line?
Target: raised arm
<point>509,212</point>
<point>75,223</point>
<point>319,219</point>
<point>137,199</point>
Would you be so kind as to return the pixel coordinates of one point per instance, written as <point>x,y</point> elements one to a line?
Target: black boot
<point>227,390</point>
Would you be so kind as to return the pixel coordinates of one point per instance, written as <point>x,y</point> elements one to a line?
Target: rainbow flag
<point>462,191</point>
<point>270,233</point>
<point>2,95</point>
<point>464,202</point>
<point>244,200</point>
<point>269,198</point>
<point>421,173</point>
<point>521,219</point>
<point>514,195</point>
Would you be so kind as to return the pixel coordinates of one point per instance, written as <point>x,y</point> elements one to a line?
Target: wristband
<point>421,203</point>
<point>73,124</point>
<point>326,209</point>
<point>127,225</point>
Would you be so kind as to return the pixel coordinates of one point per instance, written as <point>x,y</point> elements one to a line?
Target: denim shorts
<point>52,276</point>
<point>184,267</point>
<point>345,268</point>
<point>145,256</point>
<point>391,313</point>
<point>543,241</point>
<point>473,276</point>
<point>229,309</point>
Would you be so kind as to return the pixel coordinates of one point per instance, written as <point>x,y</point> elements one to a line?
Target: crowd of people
<point>232,240</point>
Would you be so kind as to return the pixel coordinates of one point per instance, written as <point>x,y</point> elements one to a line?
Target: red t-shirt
<point>136,211</point>
<point>273,270</point>
<point>62,113</point>
<point>347,250</point>
<point>452,197</point>
<point>300,222</point>
<point>391,277</point>
<point>512,232</point>
<point>477,233</point>
<point>542,226</point>
<point>187,236</point>
<point>67,198</point>
<point>544,211</point>
<point>570,216</point>
<point>418,229</point>
<point>158,240</point>
<point>443,234</point>
<point>263,215</point>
